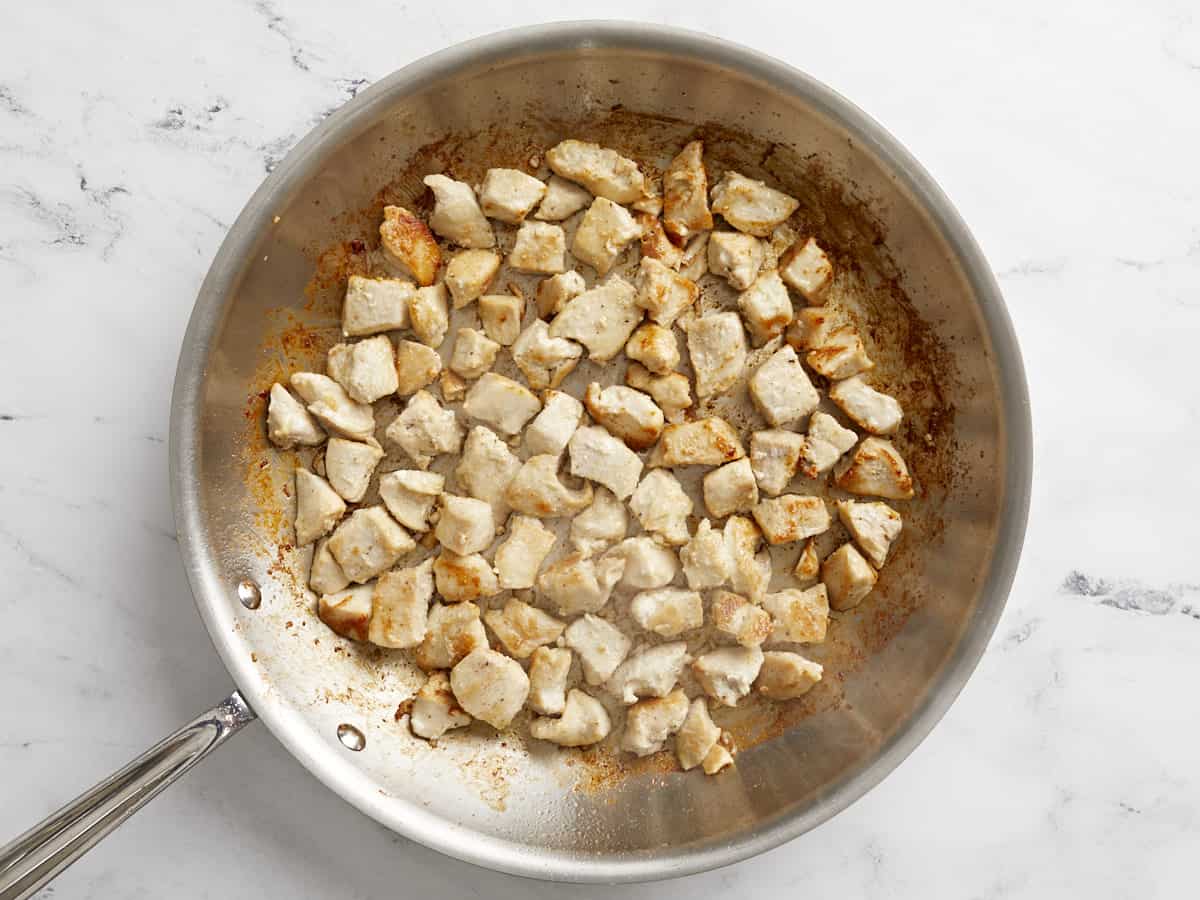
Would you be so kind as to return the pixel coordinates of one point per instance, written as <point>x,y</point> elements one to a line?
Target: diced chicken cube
<point>606,230</point>
<point>791,517</point>
<point>410,496</point>
<point>693,265</point>
<point>435,709</point>
<point>416,367</point>
<point>563,199</point>
<point>736,257</point>
<point>509,195</point>
<point>705,558</point>
<point>289,423</point>
<point>826,442</point>
<point>369,369</point>
<point>537,491</point>
<point>601,319</point>
<point>474,353</point>
<point>654,347</point>
<point>520,557</point>
<point>333,407</point>
<point>501,317</point>
<point>730,489</point>
<point>811,327</point>
<point>664,293</point>
<point>408,242</point>
<point>874,526</point>
<point>466,525</point>
<point>501,403</point>
<point>325,576</point>
<point>544,360</point>
<point>456,214</point>
<point>718,758</point>
<point>751,572</point>
<point>685,193</point>
<point>662,507</point>
<point>486,469</point>
<point>400,607</point>
<point>840,355</point>
<point>649,723</point>
<point>552,428</point>
<point>697,736</point>
<point>576,584</point>
<point>627,414</point>
<point>672,393</point>
<point>728,673</point>
<point>766,307</point>
<point>490,686</point>
<point>602,171</point>
<point>539,247</point>
<point>600,525</point>
<point>648,564</point>
<point>453,631</point>
<point>717,347</point>
<point>808,564</point>
<point>600,644</point>
<point>584,721</point>
<point>548,669</point>
<point>668,612</point>
<point>655,243</point>
<point>463,578</point>
<point>369,542</point>
<point>429,310</point>
<point>522,628</point>
<point>598,456</point>
<point>349,466</point>
<point>868,408</point>
<point>348,612</point>
<point>425,430</point>
<point>703,442</point>
<point>745,622</point>
<point>750,205</point>
<point>453,387</point>
<point>318,507</point>
<point>848,577</point>
<point>373,305</point>
<point>781,389</point>
<point>786,676</point>
<point>469,274</point>
<point>651,673</point>
<point>876,468</point>
<point>554,292</point>
<point>799,616</point>
<point>807,270</point>
<point>774,455</point>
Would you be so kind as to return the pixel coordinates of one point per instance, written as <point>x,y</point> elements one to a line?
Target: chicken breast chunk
<point>728,673</point>
<point>705,558</point>
<point>469,274</point>
<point>490,686</point>
<point>520,557</point>
<point>349,466</point>
<point>781,390</point>
<point>840,355</point>
<point>799,616</point>
<point>333,407</point>
<point>373,305</point>
<point>606,230</point>
<point>730,488</point>
<point>791,517</point>
<point>750,205</point>
<point>539,247</point>
<point>668,612</point>
<point>598,456</point>
<point>697,736</point>
<point>500,403</point>
<point>544,360</point>
<point>509,195</point>
<point>736,257</point>
<point>602,171</point>
<point>289,423</point>
<point>456,214</point>
<point>429,310</point>
<point>662,507</point>
<point>408,243</point>
<point>486,469</point>
<point>868,408</point>
<point>774,455</point>
<point>651,673</point>
<point>627,414</point>
<point>876,468</point>
<point>811,327</point>
<point>648,564</point>
<point>649,723</point>
<point>453,631</point>
<point>808,564</point>
<point>584,721</point>
<point>655,244</point>
<point>827,440</point>
<point>554,292</point>
<point>466,525</point>
<point>576,584</point>
<point>552,428</point>
<point>702,442</point>
<point>601,647</point>
<point>672,392</point>
<point>400,607</point>
<point>751,571</point>
<point>522,628</point>
<point>474,353</point>
<point>369,542</point>
<point>463,578</point>
<point>654,347</point>
<point>717,347</point>
<point>548,670</point>
<point>318,507</point>
<point>664,293</point>
<point>874,527</point>
<point>416,367</point>
<point>807,270</point>
<point>745,622</point>
<point>348,612</point>
<point>501,317</point>
<point>410,496</point>
<point>325,576</point>
<point>425,430</point>
<point>537,491</point>
<point>848,577</point>
<point>435,709</point>
<point>786,676</point>
<point>600,525</point>
<point>601,319</point>
<point>562,200</point>
<point>685,193</point>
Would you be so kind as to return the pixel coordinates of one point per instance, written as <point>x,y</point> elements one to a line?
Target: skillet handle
<point>41,853</point>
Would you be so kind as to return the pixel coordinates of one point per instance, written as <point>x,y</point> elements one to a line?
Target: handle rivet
<point>249,594</point>
<point>351,737</point>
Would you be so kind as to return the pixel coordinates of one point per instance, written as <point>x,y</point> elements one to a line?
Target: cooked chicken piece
<point>332,406</point>
<point>463,578</point>
<point>750,205</point>
<point>745,622</point>
<point>554,292</point>
<point>576,584</point>
<point>456,214</point>
<point>545,361</point>
<point>730,489</point>
<point>601,647</point>
<point>781,389</point>
<point>373,305</point>
<point>539,247</point>
<point>728,673</point>
<point>429,310</point>
<point>602,171</point>
<point>552,428</point>
<point>600,525</point>
<point>469,274</point>
<point>874,526</point>
<point>509,195</point>
<point>672,393</point>
<point>840,355</point>
<point>786,676</point>
<point>501,403</point>
<point>425,430</point>
<point>662,507</point>
<point>410,496</point>
<point>598,456</point>
<point>876,468</point>
<point>668,612</point>
<point>807,270</point>
<point>522,628</point>
<point>486,469</point>
<point>548,669</point>
<point>685,193</point>
<point>563,199</point>
<point>605,231</point>
<point>453,387</point>
<point>848,577</point>
<point>654,347</point>
<point>601,319</point>
<point>349,466</point>
<point>705,558</point>
<point>408,242</point>
<point>400,607</point>
<point>490,686</point>
<point>649,723</point>
<point>474,353</point>
<point>501,317</point>
<point>416,367</point>
<point>370,369</point>
<point>584,721</point>
<point>368,542</point>
<point>736,257</point>
<point>289,423</point>
<point>466,525</point>
<point>718,758</point>
<point>651,673</point>
<point>655,243</point>
<point>520,557</point>
<point>325,576</point>
<point>627,414</point>
<point>650,203</point>
<point>717,346</point>
<point>800,616</point>
<point>648,564</point>
<point>318,507</point>
<point>702,442</point>
<point>454,630</point>
<point>435,709</point>
<point>697,736</point>
<point>811,327</point>
<point>766,307</point>
<point>826,442</point>
<point>791,517</point>
<point>694,263</point>
<point>774,455</point>
<point>751,572</point>
<point>537,491</point>
<point>808,565</point>
<point>867,407</point>
<point>348,612</point>
<point>662,292</point>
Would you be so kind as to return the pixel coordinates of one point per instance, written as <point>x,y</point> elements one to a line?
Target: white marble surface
<point>130,137</point>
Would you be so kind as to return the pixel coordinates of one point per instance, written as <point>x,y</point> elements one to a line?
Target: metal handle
<point>45,850</point>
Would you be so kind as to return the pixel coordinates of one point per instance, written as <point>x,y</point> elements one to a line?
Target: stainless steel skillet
<point>944,339</point>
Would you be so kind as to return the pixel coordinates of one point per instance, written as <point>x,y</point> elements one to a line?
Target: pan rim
<point>212,597</point>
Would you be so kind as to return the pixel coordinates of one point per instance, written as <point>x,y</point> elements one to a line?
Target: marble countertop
<point>1067,134</point>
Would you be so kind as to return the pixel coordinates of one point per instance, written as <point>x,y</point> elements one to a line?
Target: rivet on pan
<point>351,737</point>
<point>249,594</point>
